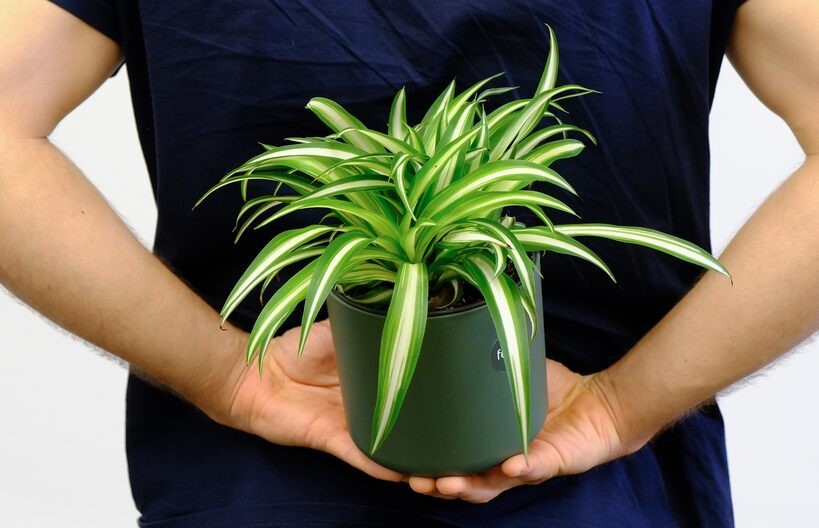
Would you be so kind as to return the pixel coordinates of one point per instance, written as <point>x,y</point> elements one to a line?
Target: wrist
<point>213,393</point>
<point>635,419</point>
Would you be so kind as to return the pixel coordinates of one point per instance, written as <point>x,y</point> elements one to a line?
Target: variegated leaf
<point>400,346</point>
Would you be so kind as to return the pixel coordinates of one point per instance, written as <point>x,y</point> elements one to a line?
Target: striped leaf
<point>541,239</point>
<point>458,103</point>
<point>306,152</point>
<point>305,253</point>
<point>549,77</point>
<point>504,112</point>
<point>430,125</point>
<point>456,286</point>
<point>400,346</point>
<point>299,184</point>
<point>359,164</point>
<point>507,311</point>
<point>367,272</point>
<point>555,150</point>
<point>275,250</point>
<point>376,222</point>
<point>399,175</point>
<point>468,236</point>
<point>350,185</point>
<point>492,92</point>
<point>329,267</point>
<point>650,238</point>
<point>376,296</point>
<point>436,165</point>
<point>521,172</point>
<point>276,311</point>
<point>398,116</point>
<point>417,238</point>
<point>416,140</point>
<point>485,203</point>
<point>528,118</point>
<point>523,265</point>
<point>253,203</point>
<point>534,139</point>
<point>261,210</point>
<point>394,145</point>
<point>337,118</point>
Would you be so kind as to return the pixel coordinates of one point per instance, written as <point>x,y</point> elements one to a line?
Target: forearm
<point>719,333</point>
<point>66,253</point>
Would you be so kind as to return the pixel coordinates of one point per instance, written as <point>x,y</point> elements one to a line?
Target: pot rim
<point>382,313</point>
<point>450,312</point>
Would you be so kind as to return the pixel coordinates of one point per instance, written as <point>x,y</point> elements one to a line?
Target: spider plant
<point>416,214</point>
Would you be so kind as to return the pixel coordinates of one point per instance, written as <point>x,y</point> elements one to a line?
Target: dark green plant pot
<point>458,416</point>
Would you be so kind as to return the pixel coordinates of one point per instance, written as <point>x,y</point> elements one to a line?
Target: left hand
<point>582,430</point>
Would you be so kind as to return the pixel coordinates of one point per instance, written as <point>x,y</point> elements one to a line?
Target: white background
<point>62,455</point>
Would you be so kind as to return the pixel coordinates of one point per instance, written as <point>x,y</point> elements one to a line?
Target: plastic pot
<point>458,416</point>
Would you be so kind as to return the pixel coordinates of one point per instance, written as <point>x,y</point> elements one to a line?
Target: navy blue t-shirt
<point>211,79</point>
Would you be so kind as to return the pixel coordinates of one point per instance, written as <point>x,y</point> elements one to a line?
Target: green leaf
<point>492,92</point>
<point>555,150</point>
<point>398,115</point>
<point>304,152</point>
<point>394,145</point>
<point>536,138</point>
<point>255,202</point>
<point>400,346</point>
<point>454,169</point>
<point>361,164</point>
<point>337,118</point>
<point>457,293</point>
<point>466,236</point>
<point>436,165</point>
<point>503,112</point>
<point>399,173</point>
<point>298,183</point>
<point>529,117</point>
<point>367,219</point>
<point>415,139</point>
<point>458,104</point>
<point>506,308</point>
<point>350,185</point>
<point>649,238</point>
<point>549,76</point>
<point>275,250</point>
<point>305,253</point>
<point>541,239</point>
<point>523,265</point>
<point>520,172</point>
<point>367,272</point>
<point>435,118</point>
<point>331,265</point>
<point>259,212</point>
<point>482,204</point>
<point>376,296</point>
<point>275,313</point>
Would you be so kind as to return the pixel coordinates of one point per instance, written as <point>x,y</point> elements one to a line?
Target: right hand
<point>297,401</point>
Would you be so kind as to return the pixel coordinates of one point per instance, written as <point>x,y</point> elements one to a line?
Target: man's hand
<point>582,430</point>
<point>297,401</point>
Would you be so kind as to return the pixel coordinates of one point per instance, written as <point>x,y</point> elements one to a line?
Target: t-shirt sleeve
<point>99,14</point>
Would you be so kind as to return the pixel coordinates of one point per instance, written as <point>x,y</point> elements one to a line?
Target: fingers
<point>478,488</point>
<point>426,486</point>
<point>544,463</point>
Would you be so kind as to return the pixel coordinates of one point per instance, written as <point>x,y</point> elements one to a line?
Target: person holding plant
<point>625,361</point>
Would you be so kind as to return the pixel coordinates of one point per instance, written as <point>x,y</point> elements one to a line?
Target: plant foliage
<point>416,213</point>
